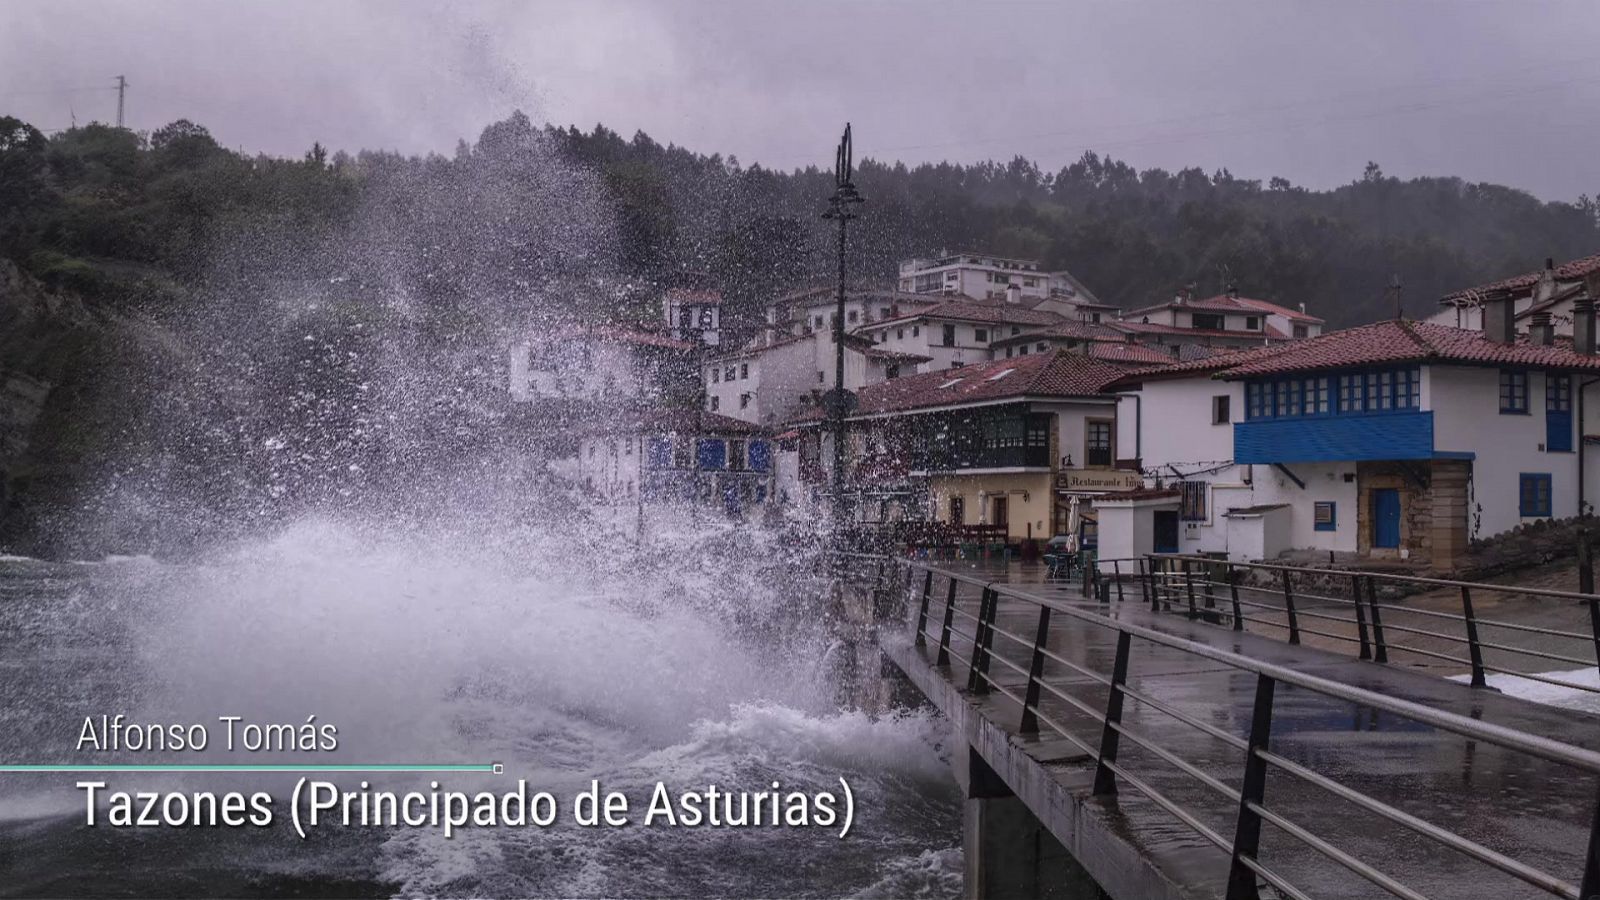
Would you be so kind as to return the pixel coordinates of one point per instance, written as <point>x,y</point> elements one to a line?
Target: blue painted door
<point>1558,413</point>
<point>1385,517</point>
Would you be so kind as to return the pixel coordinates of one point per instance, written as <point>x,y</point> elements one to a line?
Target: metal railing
<point>945,625</point>
<point>1293,602</point>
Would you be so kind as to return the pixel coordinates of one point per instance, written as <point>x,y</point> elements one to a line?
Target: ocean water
<point>693,661</point>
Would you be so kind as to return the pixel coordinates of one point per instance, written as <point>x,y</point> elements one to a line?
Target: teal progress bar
<point>488,768</point>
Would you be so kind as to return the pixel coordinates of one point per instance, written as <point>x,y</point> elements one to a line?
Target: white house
<point>1001,445</point>
<point>1543,296</point>
<point>1398,439</point>
<point>600,365</point>
<point>1226,319</point>
<point>957,332</point>
<point>693,316</point>
<point>682,456</point>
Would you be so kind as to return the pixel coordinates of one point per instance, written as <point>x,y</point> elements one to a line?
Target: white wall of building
<point>575,370</point>
<point>1466,404</point>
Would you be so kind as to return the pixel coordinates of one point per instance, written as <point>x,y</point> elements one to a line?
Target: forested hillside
<point>139,220</point>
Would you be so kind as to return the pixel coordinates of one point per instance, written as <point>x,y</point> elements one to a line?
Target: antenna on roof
<point>1395,292</point>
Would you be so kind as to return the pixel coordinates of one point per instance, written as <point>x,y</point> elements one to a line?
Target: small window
<point>1193,505</point>
<point>1252,323</point>
<point>1015,330</point>
<point>820,376</point>
<point>852,316</point>
<point>1300,331</point>
<point>949,335</point>
<point>1022,350</point>
<point>899,334</point>
<point>916,330</point>
<point>1009,351</point>
<point>744,401</point>
<point>1324,516</point>
<point>981,335</point>
<point>1208,321</point>
<point>1513,392</point>
<point>715,402</point>
<point>1220,413</point>
<point>1042,346</point>
<point>1534,494</point>
<point>736,455</point>
<point>744,371</point>
<point>727,374</point>
<point>716,375</point>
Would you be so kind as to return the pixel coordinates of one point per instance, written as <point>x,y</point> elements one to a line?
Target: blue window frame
<point>1325,515</point>
<point>1347,393</point>
<point>1533,493</point>
<point>1513,392</point>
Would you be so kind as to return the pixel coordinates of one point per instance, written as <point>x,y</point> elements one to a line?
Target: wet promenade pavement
<point>1535,812</point>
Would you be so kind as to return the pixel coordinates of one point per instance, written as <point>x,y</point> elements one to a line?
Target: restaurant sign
<point>1099,480</point>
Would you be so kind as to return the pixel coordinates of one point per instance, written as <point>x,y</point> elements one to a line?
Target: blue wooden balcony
<point>1337,438</point>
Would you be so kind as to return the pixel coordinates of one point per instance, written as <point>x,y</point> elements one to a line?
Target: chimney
<point>1497,317</point>
<point>1013,293</point>
<point>1184,293</point>
<point>1583,337</point>
<point>1232,290</point>
<point>1540,332</point>
<point>1583,325</point>
<point>1547,282</point>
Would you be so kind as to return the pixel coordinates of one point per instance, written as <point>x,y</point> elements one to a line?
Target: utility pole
<point>122,90</point>
<point>839,402</point>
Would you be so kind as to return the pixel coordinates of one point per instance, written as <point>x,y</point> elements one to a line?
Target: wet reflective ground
<point>1537,813</point>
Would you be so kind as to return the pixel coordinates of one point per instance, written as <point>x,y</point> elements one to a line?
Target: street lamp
<point>839,402</point>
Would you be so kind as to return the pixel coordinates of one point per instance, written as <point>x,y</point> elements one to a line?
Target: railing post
<point>1247,832</point>
<point>978,669</point>
<point>1380,649</point>
<point>1586,586</point>
<point>1233,591</point>
<point>1188,584</point>
<point>1288,605</point>
<point>1116,572</point>
<point>922,614</point>
<point>1590,886</point>
<point>1476,652</point>
<point>1030,703</point>
<point>1105,782</point>
<point>949,620</point>
<point>1144,584</point>
<point>1361,617</point>
<point>1155,589</point>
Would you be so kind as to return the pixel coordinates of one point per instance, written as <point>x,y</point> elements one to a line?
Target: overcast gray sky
<point>1492,91</point>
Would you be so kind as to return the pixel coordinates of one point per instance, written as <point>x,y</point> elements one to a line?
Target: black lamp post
<point>839,402</point>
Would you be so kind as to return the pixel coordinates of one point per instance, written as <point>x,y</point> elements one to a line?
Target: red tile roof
<point>1571,270</point>
<point>1129,353</point>
<point>1059,374</point>
<point>1076,330</point>
<point>1232,303</point>
<point>1391,341</point>
<point>1267,332</point>
<point>1000,313</point>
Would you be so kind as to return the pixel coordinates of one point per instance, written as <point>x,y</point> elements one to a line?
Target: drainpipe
<point>1581,388</point>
